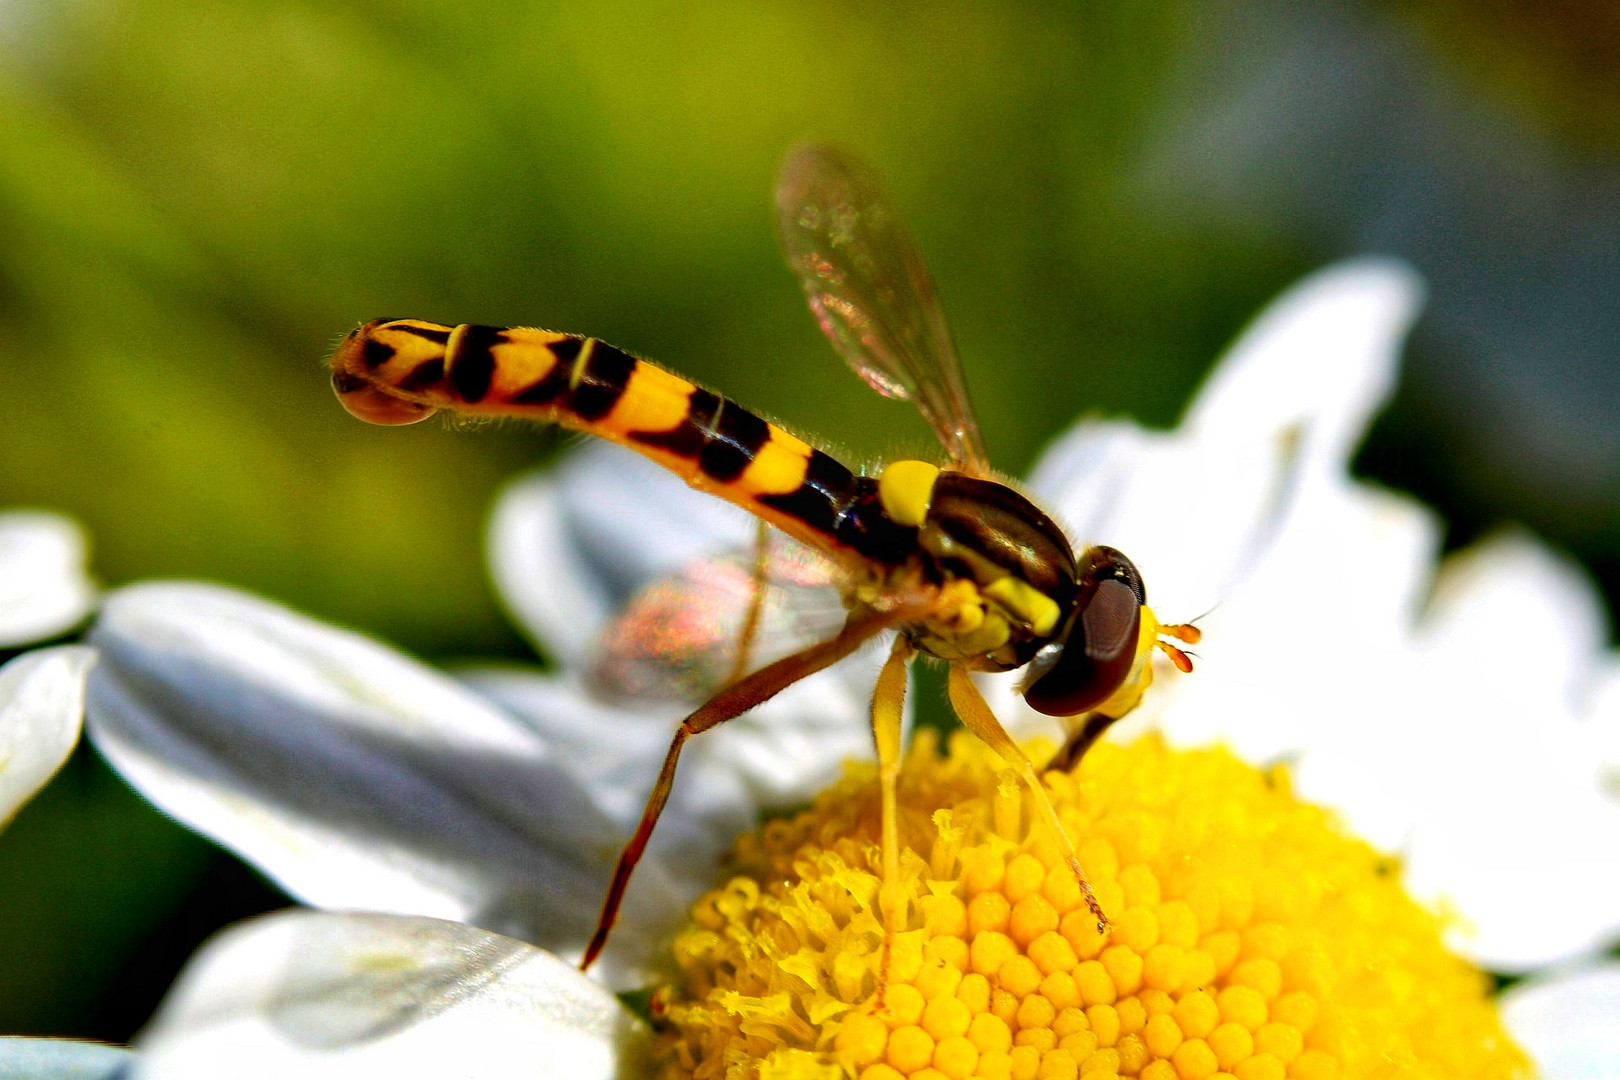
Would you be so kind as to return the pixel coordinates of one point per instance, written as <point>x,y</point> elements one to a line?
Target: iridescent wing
<point>871,293</point>
<point>683,634</point>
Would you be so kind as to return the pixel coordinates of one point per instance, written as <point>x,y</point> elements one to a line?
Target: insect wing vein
<point>872,295</point>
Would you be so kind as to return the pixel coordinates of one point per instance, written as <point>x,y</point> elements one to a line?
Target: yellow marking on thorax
<point>778,466</point>
<point>905,489</point>
<point>963,627</point>
<point>653,400</point>
<point>991,635</point>
<point>1025,603</point>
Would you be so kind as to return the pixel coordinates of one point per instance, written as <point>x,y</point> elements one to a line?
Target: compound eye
<point>1101,563</point>
<point>1094,657</point>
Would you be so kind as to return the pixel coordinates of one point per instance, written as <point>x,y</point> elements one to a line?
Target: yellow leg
<point>888,704</point>
<point>977,717</point>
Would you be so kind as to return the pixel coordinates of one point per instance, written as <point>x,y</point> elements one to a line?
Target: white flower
<point>362,780</point>
<point>44,591</point>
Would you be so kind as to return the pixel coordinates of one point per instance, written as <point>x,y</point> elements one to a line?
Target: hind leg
<point>728,704</point>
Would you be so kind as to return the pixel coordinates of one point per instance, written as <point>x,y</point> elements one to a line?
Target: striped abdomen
<point>401,370</point>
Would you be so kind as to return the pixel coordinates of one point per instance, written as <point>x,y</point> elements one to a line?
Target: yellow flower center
<point>1251,938</point>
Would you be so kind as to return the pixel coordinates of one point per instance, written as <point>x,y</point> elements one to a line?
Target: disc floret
<point>1250,938</point>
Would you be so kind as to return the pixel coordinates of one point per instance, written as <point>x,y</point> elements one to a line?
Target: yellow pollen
<point>1251,939</point>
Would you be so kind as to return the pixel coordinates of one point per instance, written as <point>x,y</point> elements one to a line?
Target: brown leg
<point>977,717</point>
<point>1091,729</point>
<point>729,703</point>
<point>756,603</point>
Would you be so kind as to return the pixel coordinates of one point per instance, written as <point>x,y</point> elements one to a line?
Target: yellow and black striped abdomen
<point>402,370</point>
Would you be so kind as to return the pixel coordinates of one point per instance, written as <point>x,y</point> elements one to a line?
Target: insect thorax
<point>1005,571</point>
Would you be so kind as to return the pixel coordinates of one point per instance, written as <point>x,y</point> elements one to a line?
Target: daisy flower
<point>477,819</point>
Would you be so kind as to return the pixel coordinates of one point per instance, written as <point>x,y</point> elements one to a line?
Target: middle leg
<point>888,708</point>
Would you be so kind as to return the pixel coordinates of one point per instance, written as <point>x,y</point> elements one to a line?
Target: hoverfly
<point>959,564</point>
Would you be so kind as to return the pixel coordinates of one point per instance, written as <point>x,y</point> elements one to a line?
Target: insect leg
<point>1092,725</point>
<point>756,601</point>
<point>729,703</point>
<point>977,717</point>
<point>888,703</point>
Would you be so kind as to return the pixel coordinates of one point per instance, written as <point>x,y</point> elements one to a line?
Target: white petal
<point>1186,518</point>
<point>61,1059</point>
<point>1311,640</point>
<point>1322,358</point>
<point>1603,723</point>
<point>617,753</point>
<point>1510,598</point>
<point>569,546</point>
<point>44,589</point>
<point>352,775</point>
<point>1511,645</point>
<point>1199,510</point>
<point>1567,1023</point>
<point>313,995</point>
<point>773,758</point>
<point>41,712</point>
<point>1304,644</point>
<point>1471,760</point>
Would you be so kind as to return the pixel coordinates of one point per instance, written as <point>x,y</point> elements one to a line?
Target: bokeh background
<point>199,197</point>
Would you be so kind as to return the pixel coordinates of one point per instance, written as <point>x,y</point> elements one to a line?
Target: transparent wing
<point>682,633</point>
<point>871,293</point>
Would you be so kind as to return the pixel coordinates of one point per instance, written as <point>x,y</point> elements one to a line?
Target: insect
<point>958,563</point>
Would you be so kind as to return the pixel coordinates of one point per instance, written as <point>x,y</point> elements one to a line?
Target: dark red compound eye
<point>1091,659</point>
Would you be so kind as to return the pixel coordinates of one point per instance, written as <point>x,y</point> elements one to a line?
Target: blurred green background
<point>199,197</point>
